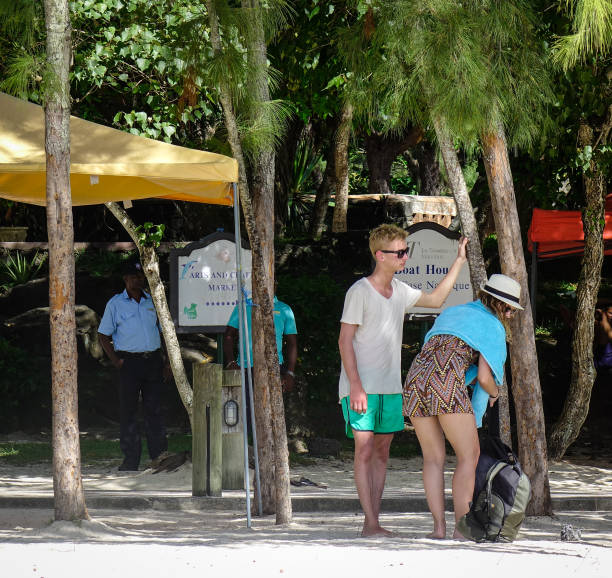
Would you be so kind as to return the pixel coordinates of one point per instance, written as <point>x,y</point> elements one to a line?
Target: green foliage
<point>22,62</point>
<point>101,263</point>
<point>92,450</point>
<point>359,175</point>
<point>300,185</point>
<point>317,302</point>
<point>591,33</point>
<point>22,385</point>
<point>150,235</point>
<point>17,269</point>
<point>553,176</point>
<point>131,65</point>
<point>307,53</point>
<point>476,64</point>
<point>402,182</point>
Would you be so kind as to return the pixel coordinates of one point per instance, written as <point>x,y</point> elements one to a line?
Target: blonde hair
<point>383,235</point>
<point>499,309</point>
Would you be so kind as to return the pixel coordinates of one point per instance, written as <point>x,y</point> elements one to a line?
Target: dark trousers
<point>141,376</point>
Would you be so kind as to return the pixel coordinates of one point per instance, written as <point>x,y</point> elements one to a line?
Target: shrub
<point>25,390</point>
<point>17,269</point>
<point>317,302</point>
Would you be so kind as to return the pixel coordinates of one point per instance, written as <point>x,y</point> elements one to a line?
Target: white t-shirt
<point>378,339</point>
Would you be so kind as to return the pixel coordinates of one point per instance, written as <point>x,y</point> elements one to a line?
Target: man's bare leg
<point>431,440</point>
<point>369,481</point>
<point>380,457</point>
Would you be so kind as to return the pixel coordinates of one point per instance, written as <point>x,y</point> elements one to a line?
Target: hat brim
<point>503,299</point>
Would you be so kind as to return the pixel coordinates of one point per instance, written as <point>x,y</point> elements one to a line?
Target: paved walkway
<point>149,525</point>
<point>573,487</point>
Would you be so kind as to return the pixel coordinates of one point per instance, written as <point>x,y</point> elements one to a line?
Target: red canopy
<point>560,233</point>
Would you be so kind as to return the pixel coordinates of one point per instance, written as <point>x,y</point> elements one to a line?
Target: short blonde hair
<point>384,234</point>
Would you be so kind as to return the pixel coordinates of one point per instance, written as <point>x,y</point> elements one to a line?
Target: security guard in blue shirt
<point>130,321</point>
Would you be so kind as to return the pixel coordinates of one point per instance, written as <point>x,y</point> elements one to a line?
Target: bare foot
<point>439,532</point>
<point>459,537</point>
<point>376,531</point>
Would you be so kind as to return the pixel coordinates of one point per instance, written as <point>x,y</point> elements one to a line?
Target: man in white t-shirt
<point>370,344</point>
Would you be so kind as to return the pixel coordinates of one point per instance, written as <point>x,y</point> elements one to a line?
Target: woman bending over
<point>465,341</point>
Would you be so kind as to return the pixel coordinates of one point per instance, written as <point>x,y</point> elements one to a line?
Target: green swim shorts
<point>383,416</point>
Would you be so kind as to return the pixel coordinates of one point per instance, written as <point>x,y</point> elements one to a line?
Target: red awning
<point>560,233</point>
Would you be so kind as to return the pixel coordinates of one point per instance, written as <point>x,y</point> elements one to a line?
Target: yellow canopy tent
<point>106,164</point>
<point>111,165</point>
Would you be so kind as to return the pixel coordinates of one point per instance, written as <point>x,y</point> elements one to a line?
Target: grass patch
<point>20,454</point>
<point>92,450</point>
<point>300,459</point>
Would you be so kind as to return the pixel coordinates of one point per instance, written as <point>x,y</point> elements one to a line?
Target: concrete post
<point>207,419</point>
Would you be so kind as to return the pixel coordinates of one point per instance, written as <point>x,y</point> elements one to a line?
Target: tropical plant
<point>306,160</point>
<point>591,32</point>
<point>17,269</point>
<point>101,263</point>
<point>150,235</point>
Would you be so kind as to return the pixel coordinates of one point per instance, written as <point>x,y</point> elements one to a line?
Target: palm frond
<point>264,126</point>
<point>21,19</point>
<point>592,32</point>
<point>23,74</point>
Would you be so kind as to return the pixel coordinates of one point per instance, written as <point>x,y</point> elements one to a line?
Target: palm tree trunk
<point>576,406</point>
<point>319,210</point>
<point>150,265</point>
<point>524,363</point>
<point>265,359</point>
<point>67,481</point>
<point>478,273</point>
<point>274,456</point>
<point>341,162</point>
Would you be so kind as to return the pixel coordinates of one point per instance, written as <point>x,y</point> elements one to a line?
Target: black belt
<point>137,354</point>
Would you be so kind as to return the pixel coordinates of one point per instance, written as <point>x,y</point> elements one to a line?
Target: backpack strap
<point>490,475</point>
<point>492,530</point>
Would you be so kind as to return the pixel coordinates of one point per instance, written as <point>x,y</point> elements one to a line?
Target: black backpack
<point>501,494</point>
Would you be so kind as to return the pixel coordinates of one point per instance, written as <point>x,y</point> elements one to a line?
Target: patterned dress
<point>435,384</point>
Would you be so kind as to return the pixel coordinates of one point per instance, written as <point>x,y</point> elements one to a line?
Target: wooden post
<point>207,418</point>
<point>232,438</point>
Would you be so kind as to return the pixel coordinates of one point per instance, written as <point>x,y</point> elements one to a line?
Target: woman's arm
<point>486,379</point>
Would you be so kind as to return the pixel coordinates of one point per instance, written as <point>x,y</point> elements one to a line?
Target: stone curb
<point>299,504</point>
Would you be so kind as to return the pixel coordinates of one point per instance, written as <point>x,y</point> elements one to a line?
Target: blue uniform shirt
<point>131,325</point>
<point>284,324</point>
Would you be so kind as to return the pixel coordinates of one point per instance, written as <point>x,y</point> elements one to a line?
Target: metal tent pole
<point>249,371</point>
<point>245,433</point>
<point>243,332</point>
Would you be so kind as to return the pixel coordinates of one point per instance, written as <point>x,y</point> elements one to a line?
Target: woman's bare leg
<point>460,431</point>
<point>431,439</point>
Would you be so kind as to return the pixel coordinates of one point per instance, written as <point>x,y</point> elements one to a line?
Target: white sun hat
<point>504,289</point>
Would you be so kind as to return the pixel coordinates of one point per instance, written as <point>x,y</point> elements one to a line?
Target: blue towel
<point>477,326</point>
<point>480,398</point>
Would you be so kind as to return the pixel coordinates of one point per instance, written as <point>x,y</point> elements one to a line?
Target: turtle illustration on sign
<point>190,311</point>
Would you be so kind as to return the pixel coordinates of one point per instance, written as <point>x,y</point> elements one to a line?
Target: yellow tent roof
<point>106,164</point>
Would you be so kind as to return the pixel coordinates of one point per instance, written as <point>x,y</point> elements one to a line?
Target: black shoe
<point>127,467</point>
